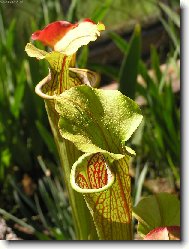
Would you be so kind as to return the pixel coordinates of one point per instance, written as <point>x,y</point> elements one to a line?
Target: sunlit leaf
<point>96,120</point>
<point>32,51</point>
<point>159,210</point>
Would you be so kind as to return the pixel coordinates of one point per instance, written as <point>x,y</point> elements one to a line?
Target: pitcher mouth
<point>86,76</point>
<point>93,176</point>
<point>39,88</point>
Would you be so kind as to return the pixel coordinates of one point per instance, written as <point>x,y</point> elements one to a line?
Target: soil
<point>6,232</point>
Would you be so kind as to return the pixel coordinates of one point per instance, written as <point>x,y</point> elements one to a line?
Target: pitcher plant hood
<point>66,37</point>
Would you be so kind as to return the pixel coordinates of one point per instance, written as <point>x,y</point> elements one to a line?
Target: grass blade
<point>171,14</point>
<point>110,71</point>
<point>19,221</point>
<point>121,43</point>
<point>47,138</point>
<point>71,12</point>
<point>83,57</point>
<point>129,68</point>
<point>140,183</point>
<point>155,64</point>
<point>101,11</point>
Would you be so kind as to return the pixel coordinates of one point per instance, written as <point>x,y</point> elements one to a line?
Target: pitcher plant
<point>90,127</point>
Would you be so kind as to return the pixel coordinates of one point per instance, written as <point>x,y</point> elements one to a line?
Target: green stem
<point>68,155</point>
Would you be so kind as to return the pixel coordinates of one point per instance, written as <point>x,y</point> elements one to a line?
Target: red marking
<point>125,204</point>
<point>97,172</point>
<point>81,181</point>
<point>53,32</point>
<point>116,201</point>
<point>88,20</point>
<point>55,76</point>
<point>106,177</point>
<point>62,72</point>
